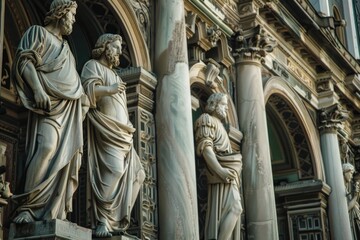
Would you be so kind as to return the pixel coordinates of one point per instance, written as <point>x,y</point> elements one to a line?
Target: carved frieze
<point>142,12</point>
<point>299,72</point>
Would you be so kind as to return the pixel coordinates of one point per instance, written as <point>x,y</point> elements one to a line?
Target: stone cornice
<point>253,45</point>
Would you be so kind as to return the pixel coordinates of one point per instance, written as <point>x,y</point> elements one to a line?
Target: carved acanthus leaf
<point>333,117</point>
<point>254,43</point>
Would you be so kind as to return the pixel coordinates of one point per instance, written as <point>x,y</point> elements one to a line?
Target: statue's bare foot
<point>102,231</point>
<point>23,217</point>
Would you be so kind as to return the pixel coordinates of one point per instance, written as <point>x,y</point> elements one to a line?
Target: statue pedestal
<point>49,230</point>
<point>120,237</point>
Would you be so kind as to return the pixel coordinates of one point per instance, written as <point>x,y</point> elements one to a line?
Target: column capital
<point>252,45</point>
<point>332,118</point>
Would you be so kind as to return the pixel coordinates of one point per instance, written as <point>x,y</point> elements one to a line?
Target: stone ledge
<point>53,229</point>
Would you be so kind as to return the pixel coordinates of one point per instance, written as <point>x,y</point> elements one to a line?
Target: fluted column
<point>331,119</point>
<point>260,209</point>
<point>175,145</point>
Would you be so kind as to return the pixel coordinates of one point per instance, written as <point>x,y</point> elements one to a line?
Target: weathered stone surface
<point>53,229</point>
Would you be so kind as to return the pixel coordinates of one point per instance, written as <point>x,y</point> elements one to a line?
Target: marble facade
<point>294,94</point>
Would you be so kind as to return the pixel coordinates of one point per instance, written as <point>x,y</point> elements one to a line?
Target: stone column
<point>339,222</point>
<point>175,144</point>
<point>260,209</point>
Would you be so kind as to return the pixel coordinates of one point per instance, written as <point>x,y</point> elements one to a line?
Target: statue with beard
<point>49,86</point>
<point>223,171</point>
<point>114,167</point>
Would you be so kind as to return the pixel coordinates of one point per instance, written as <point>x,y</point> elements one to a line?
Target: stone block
<point>49,230</point>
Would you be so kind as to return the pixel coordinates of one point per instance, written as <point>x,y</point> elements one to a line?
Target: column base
<point>49,230</point>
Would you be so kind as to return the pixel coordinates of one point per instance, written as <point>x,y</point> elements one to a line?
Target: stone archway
<point>278,87</point>
<point>300,191</point>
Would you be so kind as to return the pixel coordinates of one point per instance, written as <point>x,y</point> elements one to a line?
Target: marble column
<point>260,209</point>
<point>175,144</point>
<point>338,209</point>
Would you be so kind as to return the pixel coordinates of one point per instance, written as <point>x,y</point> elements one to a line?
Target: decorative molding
<point>212,74</point>
<point>190,20</point>
<point>213,34</point>
<point>325,88</point>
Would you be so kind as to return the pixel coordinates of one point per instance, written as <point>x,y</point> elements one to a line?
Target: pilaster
<point>141,96</point>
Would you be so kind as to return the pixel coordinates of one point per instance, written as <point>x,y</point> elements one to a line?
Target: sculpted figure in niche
<point>352,195</point>
<point>49,86</point>
<point>223,170</point>
<point>115,170</point>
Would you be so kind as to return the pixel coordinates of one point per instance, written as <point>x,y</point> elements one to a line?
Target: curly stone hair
<point>348,167</point>
<point>102,42</point>
<point>58,9</point>
<point>213,101</point>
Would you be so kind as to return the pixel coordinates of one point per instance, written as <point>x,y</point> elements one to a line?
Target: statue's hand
<point>42,100</point>
<point>117,88</point>
<point>227,175</point>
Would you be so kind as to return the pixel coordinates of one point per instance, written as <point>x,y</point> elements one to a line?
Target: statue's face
<point>348,176</point>
<point>113,52</point>
<point>67,21</point>
<point>222,108</point>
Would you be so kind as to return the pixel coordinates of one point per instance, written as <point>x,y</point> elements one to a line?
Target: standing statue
<point>352,195</point>
<point>49,86</point>
<point>115,170</point>
<point>223,170</point>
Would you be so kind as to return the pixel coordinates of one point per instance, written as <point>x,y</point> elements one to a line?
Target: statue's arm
<point>42,100</point>
<point>101,90</point>
<point>212,163</point>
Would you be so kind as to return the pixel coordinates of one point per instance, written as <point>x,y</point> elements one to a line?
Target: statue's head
<point>109,46</point>
<point>348,171</point>
<point>62,13</point>
<point>217,105</point>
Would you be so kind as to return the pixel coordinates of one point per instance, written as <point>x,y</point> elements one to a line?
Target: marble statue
<point>115,170</point>
<point>352,195</point>
<point>223,169</point>
<point>49,86</point>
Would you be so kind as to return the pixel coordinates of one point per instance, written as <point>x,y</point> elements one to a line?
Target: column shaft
<point>175,145</point>
<point>259,195</point>
<point>338,209</point>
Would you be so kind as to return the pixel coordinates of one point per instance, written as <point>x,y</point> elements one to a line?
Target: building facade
<point>291,70</point>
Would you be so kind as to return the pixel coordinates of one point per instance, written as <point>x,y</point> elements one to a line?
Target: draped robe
<point>51,196</point>
<point>221,195</point>
<point>114,167</point>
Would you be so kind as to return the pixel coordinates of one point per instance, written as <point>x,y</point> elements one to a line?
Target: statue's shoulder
<point>205,120</point>
<point>92,63</point>
<point>36,29</point>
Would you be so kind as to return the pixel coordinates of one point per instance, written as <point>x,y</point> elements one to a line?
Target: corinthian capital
<point>331,118</point>
<point>253,44</point>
